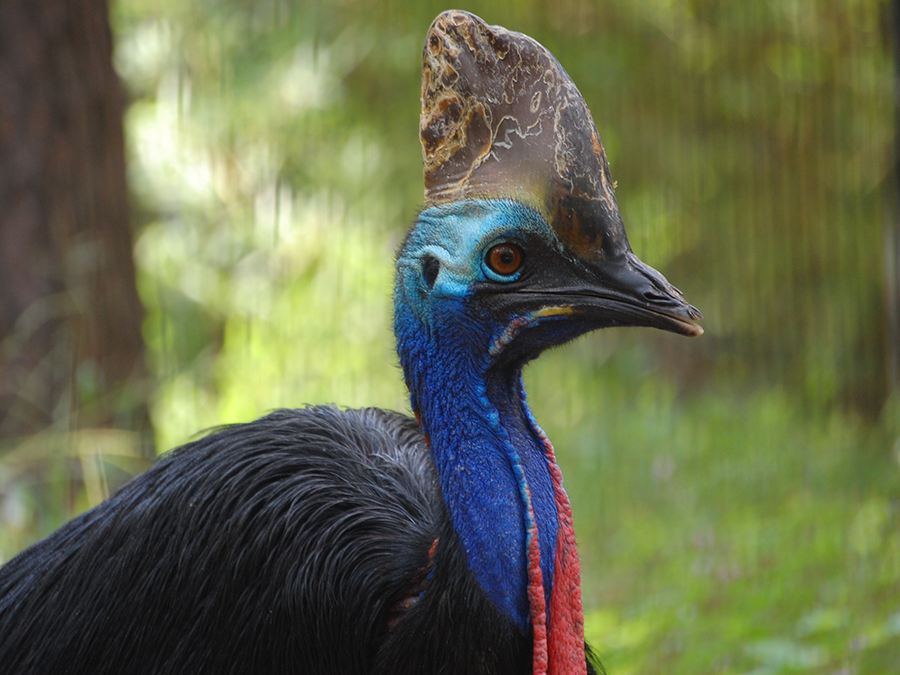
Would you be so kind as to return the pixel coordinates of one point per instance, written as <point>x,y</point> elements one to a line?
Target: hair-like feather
<point>287,545</point>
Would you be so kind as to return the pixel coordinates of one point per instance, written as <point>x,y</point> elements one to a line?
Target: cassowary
<point>328,541</point>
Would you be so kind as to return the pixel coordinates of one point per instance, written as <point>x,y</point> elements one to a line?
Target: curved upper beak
<point>621,292</point>
<point>644,297</point>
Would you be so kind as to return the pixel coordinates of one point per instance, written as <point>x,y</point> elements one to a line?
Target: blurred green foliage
<point>737,497</point>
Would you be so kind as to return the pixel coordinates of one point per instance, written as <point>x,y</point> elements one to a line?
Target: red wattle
<point>536,601</point>
<point>563,649</point>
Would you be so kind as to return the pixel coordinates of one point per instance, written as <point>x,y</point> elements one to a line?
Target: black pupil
<point>507,257</point>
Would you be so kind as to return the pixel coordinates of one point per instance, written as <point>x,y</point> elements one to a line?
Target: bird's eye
<point>504,259</point>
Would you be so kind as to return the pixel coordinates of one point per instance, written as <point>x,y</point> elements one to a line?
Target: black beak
<point>630,292</point>
<point>613,292</point>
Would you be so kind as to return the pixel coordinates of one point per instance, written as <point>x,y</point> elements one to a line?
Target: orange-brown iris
<point>504,259</point>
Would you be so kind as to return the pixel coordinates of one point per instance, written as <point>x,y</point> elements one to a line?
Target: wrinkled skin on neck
<point>497,472</point>
<point>489,460</point>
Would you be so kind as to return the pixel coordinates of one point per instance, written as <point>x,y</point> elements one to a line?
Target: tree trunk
<point>71,351</point>
<point>892,222</point>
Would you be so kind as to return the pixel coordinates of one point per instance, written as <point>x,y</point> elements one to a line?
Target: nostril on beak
<point>656,297</point>
<point>660,291</point>
<point>664,295</point>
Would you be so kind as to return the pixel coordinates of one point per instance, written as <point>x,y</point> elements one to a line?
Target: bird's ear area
<point>591,294</point>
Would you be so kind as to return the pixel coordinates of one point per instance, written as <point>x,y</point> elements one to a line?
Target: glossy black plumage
<point>298,543</point>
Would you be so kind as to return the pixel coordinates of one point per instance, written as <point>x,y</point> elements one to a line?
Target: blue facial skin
<point>482,436</point>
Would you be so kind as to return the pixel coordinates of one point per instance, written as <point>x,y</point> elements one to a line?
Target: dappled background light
<point>736,496</point>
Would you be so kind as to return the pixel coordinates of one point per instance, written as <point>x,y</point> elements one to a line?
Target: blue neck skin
<point>473,412</point>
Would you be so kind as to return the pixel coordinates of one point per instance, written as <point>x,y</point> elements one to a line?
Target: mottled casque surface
<point>502,118</point>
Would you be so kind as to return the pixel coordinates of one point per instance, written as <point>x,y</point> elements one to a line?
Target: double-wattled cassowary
<point>324,541</point>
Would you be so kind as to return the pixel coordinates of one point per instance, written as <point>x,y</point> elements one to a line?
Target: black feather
<point>298,543</point>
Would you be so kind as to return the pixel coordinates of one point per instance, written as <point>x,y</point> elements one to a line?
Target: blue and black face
<point>498,270</point>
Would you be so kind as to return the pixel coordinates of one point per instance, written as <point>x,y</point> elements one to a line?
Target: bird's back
<point>311,541</point>
<point>278,546</point>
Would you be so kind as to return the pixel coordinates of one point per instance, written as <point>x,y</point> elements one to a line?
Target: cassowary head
<point>521,245</point>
